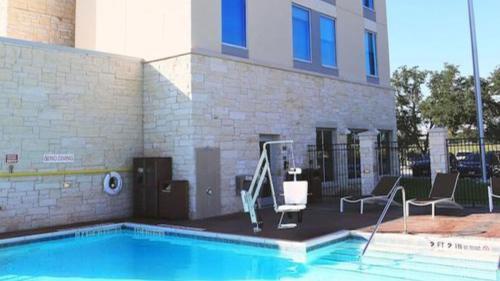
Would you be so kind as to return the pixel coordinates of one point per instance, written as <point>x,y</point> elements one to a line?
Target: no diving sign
<point>58,158</point>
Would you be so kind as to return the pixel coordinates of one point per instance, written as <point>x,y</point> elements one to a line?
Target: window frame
<point>245,47</point>
<point>375,49</point>
<point>309,12</point>
<point>372,8</point>
<point>334,20</point>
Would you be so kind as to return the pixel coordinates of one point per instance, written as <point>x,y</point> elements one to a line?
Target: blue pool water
<point>127,255</point>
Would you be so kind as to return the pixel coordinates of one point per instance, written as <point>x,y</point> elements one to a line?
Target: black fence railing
<point>465,157</point>
<point>409,162</point>
<point>339,167</point>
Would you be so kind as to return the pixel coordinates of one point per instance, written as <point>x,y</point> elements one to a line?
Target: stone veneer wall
<point>47,21</point>
<point>235,101</point>
<point>168,126</point>
<point>229,103</point>
<point>63,100</point>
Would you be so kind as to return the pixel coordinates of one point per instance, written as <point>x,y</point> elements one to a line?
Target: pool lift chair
<point>294,192</point>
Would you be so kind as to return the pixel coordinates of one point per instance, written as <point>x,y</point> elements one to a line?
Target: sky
<point>428,33</point>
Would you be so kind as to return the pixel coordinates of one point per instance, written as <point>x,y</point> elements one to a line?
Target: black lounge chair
<point>493,191</point>
<point>442,193</point>
<point>380,193</point>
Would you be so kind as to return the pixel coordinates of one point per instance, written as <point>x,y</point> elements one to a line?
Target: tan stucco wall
<point>3,18</point>
<point>148,29</point>
<point>168,28</point>
<point>47,21</point>
<point>269,33</point>
<point>61,100</point>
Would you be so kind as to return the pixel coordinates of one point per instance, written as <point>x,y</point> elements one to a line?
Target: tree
<point>452,102</point>
<point>493,106</point>
<point>408,83</point>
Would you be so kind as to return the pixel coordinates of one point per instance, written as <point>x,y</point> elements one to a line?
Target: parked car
<point>421,165</point>
<point>462,155</point>
<point>471,165</point>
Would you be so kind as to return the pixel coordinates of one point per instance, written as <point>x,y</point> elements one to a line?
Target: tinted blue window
<point>368,4</point>
<point>234,22</point>
<point>371,53</point>
<point>301,34</point>
<point>327,32</point>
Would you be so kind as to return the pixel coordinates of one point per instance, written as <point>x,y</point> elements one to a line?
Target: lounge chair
<point>493,191</point>
<point>380,193</point>
<point>295,197</point>
<point>442,193</point>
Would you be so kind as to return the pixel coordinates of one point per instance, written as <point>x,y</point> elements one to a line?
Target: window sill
<point>369,14</point>
<point>233,50</point>
<point>373,79</point>
<point>314,67</point>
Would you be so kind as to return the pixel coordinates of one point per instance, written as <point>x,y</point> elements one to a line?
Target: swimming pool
<point>125,254</point>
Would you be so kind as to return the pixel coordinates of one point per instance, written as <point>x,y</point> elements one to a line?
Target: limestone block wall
<point>168,125</point>
<point>47,21</point>
<point>63,100</point>
<point>234,102</point>
<point>197,101</point>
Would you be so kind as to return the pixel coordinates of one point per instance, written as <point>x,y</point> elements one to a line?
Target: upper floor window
<point>301,34</point>
<point>369,4</point>
<point>234,23</point>
<point>371,53</point>
<point>327,37</point>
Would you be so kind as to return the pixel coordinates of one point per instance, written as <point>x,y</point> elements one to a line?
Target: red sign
<point>11,158</point>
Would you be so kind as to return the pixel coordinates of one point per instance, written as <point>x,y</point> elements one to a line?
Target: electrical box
<point>243,183</point>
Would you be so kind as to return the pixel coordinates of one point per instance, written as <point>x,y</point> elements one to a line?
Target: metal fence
<point>409,162</point>
<point>339,168</point>
<point>465,157</point>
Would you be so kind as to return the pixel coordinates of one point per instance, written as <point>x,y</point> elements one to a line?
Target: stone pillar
<point>369,161</point>
<point>341,165</point>
<point>438,150</point>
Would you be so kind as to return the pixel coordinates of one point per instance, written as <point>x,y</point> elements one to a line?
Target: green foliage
<point>408,84</point>
<point>451,103</point>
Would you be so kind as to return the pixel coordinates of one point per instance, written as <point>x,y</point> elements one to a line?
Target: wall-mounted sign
<point>58,158</point>
<point>11,158</point>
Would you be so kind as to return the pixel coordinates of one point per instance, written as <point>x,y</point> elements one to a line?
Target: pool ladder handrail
<point>384,212</point>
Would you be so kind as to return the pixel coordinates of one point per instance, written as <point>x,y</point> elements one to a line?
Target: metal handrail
<point>384,212</point>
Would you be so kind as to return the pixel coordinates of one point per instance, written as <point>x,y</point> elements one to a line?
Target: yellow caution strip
<point>27,174</point>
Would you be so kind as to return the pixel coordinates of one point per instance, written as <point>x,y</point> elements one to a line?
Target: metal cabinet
<point>173,201</point>
<point>150,176</point>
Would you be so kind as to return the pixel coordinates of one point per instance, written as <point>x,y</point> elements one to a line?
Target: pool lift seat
<point>294,192</point>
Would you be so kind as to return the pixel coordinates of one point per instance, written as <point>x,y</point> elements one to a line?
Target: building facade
<point>220,77</point>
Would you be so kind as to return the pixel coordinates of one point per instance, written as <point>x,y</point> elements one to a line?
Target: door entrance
<point>273,154</point>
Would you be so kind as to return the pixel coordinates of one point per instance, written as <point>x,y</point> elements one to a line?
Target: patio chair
<point>380,193</point>
<point>295,200</point>
<point>442,193</point>
<point>493,191</point>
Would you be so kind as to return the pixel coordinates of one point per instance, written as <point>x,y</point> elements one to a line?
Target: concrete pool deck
<point>324,219</point>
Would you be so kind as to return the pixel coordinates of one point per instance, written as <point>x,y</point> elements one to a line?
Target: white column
<point>369,160</point>
<point>438,150</point>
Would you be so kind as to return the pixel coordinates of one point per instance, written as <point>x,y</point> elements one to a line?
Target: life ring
<point>113,183</point>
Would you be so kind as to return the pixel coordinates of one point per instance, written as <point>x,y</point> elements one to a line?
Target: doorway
<point>273,154</point>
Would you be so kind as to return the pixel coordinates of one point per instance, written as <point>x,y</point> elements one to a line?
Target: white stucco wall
<point>147,29</point>
<point>63,100</point>
<point>162,29</point>
<point>3,18</point>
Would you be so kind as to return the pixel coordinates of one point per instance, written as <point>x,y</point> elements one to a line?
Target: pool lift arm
<point>249,197</point>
